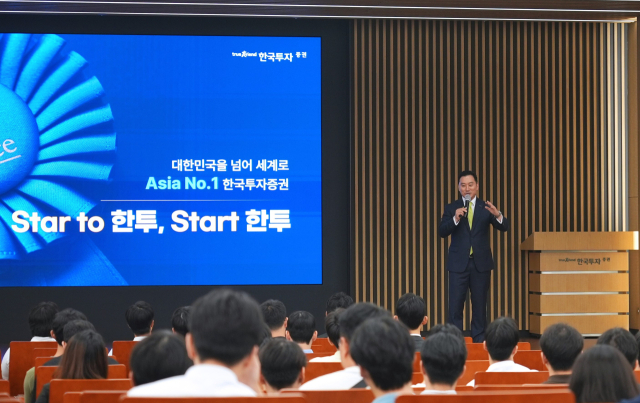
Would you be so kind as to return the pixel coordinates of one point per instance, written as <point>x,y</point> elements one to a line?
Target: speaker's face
<point>468,186</point>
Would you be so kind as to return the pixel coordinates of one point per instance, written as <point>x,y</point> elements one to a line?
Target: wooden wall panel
<point>537,109</point>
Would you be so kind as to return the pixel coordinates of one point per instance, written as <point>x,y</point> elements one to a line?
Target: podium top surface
<point>582,241</point>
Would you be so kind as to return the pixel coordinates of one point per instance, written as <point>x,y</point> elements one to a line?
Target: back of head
<point>225,326</point>
<point>443,358</point>
<point>84,358</point>
<point>501,337</point>
<point>356,314</point>
<point>274,313</point>
<point>561,345</point>
<point>74,327</point>
<point>139,317</point>
<point>301,326</point>
<point>446,328</point>
<point>332,326</point>
<point>180,320</point>
<point>281,362</point>
<point>61,319</point>
<point>602,374</point>
<point>411,310</point>
<point>383,347</point>
<point>41,318</point>
<point>622,340</point>
<point>338,300</point>
<point>161,355</point>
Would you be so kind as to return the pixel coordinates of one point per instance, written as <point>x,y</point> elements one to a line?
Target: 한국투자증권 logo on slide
<point>56,135</point>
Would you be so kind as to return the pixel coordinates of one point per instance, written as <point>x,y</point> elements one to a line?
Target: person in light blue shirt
<point>384,351</point>
<point>301,329</point>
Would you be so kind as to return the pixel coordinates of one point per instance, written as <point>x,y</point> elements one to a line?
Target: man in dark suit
<point>470,261</point>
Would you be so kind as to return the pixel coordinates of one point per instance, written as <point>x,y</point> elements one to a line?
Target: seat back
<point>40,361</point>
<point>470,370</point>
<point>103,396</point>
<point>336,396</point>
<point>528,396</point>
<point>122,350</point>
<point>484,388</point>
<point>323,348</point>
<point>468,340</point>
<point>4,387</point>
<point>293,398</point>
<point>637,374</point>
<point>531,359</point>
<point>44,352</point>
<point>321,341</point>
<point>417,378</point>
<point>417,362</point>
<point>316,369</point>
<point>58,387</point>
<point>45,374</point>
<point>511,378</point>
<point>22,359</point>
<point>71,397</point>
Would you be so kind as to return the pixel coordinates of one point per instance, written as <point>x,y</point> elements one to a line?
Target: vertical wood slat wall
<point>537,109</point>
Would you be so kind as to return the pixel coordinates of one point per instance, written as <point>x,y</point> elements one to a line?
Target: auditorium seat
<point>417,378</point>
<point>5,387</point>
<point>459,388</point>
<point>60,386</point>
<point>468,340</point>
<point>534,387</point>
<point>23,359</point>
<point>311,356</point>
<point>510,378</point>
<point>44,352</point>
<point>471,367</point>
<point>417,362</point>
<point>528,396</point>
<point>293,398</point>
<point>322,348</point>
<point>122,350</point>
<point>316,369</point>
<point>321,341</point>
<point>637,374</point>
<point>45,374</point>
<point>71,397</point>
<point>531,359</point>
<point>335,396</point>
<point>104,396</point>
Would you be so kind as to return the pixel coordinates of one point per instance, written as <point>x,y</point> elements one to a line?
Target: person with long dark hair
<point>85,357</point>
<point>602,374</point>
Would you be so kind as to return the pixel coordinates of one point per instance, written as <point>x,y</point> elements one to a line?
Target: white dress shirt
<point>504,366</point>
<point>438,392</point>
<point>339,380</point>
<point>5,359</point>
<point>473,203</point>
<point>203,380</point>
<point>330,358</point>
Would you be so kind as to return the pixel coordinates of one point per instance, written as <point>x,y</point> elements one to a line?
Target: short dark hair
<point>84,358</point>
<point>411,310</point>
<point>622,340</point>
<point>561,344</point>
<point>281,362</point>
<point>265,335</point>
<point>301,326</point>
<point>501,337</point>
<point>443,357</point>
<point>61,319</point>
<point>446,328</point>
<point>602,374</point>
<point>159,356</point>
<point>338,300</point>
<point>225,325</point>
<point>274,313</point>
<point>332,326</point>
<point>41,318</point>
<point>383,347</point>
<point>468,173</point>
<point>74,327</point>
<point>139,317</point>
<point>353,317</point>
<point>180,320</point>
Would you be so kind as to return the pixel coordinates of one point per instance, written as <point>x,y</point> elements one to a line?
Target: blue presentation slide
<point>159,160</point>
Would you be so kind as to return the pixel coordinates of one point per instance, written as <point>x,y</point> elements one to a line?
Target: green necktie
<point>470,219</point>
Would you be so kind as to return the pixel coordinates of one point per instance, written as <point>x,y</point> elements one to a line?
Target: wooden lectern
<point>579,278</point>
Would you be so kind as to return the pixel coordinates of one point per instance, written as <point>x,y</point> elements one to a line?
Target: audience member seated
<point>161,355</point>
<point>139,317</point>
<point>282,364</point>
<point>40,323</point>
<point>443,359</point>
<point>275,316</point>
<point>337,300</point>
<point>71,329</point>
<point>333,331</point>
<point>301,329</point>
<point>224,332</point>
<point>265,335</point>
<point>602,374</point>
<point>501,341</point>
<point>623,341</point>
<point>349,377</point>
<point>180,321</point>
<point>85,357</point>
<point>384,351</point>
<point>561,344</point>
<point>412,311</point>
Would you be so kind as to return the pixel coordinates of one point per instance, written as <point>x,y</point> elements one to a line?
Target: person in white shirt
<point>161,355</point>
<point>301,329</point>
<point>275,316</point>
<point>412,312</point>
<point>384,351</point>
<point>501,341</point>
<point>40,323</point>
<point>139,317</point>
<point>350,376</point>
<point>282,365</point>
<point>333,332</point>
<point>224,332</point>
<point>443,362</point>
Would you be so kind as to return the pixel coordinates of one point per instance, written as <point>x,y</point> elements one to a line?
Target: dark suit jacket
<point>462,239</point>
<point>418,341</point>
